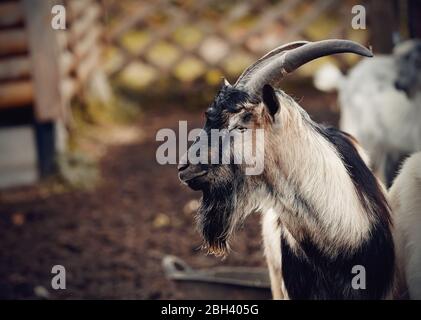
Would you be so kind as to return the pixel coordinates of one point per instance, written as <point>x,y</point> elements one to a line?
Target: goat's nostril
<point>182,166</point>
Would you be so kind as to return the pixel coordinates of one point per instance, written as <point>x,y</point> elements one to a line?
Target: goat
<point>380,102</point>
<point>405,201</point>
<point>323,211</point>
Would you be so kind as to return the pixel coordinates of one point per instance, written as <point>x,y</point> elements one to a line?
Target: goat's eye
<point>240,128</point>
<point>247,117</point>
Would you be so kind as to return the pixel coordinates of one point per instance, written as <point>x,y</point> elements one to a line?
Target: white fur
<point>312,167</point>
<point>383,119</point>
<point>405,200</point>
<point>272,245</point>
<point>377,114</point>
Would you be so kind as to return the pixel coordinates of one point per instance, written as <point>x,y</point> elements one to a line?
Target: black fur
<point>215,213</point>
<point>313,274</point>
<point>270,99</point>
<point>228,99</point>
<point>366,185</point>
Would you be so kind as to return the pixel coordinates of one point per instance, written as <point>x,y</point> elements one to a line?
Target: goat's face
<point>245,110</point>
<point>408,62</point>
<point>230,189</point>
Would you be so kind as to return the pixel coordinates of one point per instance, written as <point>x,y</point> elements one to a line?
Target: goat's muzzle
<point>191,175</point>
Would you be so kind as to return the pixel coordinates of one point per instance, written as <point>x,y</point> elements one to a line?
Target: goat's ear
<point>270,100</point>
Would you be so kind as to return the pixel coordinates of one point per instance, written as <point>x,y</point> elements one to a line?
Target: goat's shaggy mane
<point>311,273</point>
<point>366,185</point>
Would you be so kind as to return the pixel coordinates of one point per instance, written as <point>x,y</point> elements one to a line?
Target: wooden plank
<point>179,19</point>
<point>11,14</point>
<point>75,8</point>
<point>381,33</point>
<point>131,21</point>
<point>414,18</point>
<point>309,17</point>
<point>16,94</point>
<point>84,23</point>
<point>67,63</point>
<point>15,68</point>
<point>68,87</point>
<point>44,53</point>
<point>277,18</point>
<point>62,39</point>
<point>267,18</point>
<point>86,44</point>
<point>277,12</point>
<point>13,41</point>
<point>87,65</point>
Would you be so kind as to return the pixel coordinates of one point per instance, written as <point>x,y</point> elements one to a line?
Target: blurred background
<point>79,110</point>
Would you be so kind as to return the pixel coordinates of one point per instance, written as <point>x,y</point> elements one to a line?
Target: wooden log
<point>15,68</point>
<point>13,41</point>
<point>45,56</point>
<point>16,94</point>
<point>11,14</point>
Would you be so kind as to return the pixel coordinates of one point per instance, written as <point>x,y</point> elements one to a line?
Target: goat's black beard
<point>214,218</point>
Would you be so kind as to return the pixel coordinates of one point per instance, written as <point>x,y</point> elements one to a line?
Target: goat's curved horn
<point>272,67</point>
<point>275,52</point>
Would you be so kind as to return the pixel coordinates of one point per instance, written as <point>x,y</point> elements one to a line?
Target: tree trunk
<point>414,17</point>
<point>382,21</point>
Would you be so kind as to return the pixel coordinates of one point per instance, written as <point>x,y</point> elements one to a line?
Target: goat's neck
<point>325,217</point>
<point>316,195</point>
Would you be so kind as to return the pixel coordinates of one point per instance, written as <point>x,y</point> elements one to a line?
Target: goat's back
<point>375,112</point>
<point>405,200</point>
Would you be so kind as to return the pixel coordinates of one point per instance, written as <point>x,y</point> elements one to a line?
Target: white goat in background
<point>405,201</point>
<point>380,102</point>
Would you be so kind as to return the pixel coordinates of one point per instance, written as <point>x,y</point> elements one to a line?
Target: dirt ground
<point>111,239</point>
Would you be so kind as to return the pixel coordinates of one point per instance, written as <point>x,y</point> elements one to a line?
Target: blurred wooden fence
<point>157,39</point>
<point>41,67</point>
<point>146,41</point>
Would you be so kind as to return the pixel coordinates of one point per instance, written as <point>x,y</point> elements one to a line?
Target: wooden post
<point>414,17</point>
<point>10,14</point>
<point>382,23</point>
<point>47,80</point>
<point>46,148</point>
<point>45,58</point>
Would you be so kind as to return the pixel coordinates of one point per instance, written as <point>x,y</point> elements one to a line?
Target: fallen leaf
<point>191,207</point>
<point>161,220</point>
<point>18,219</point>
<point>41,292</point>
